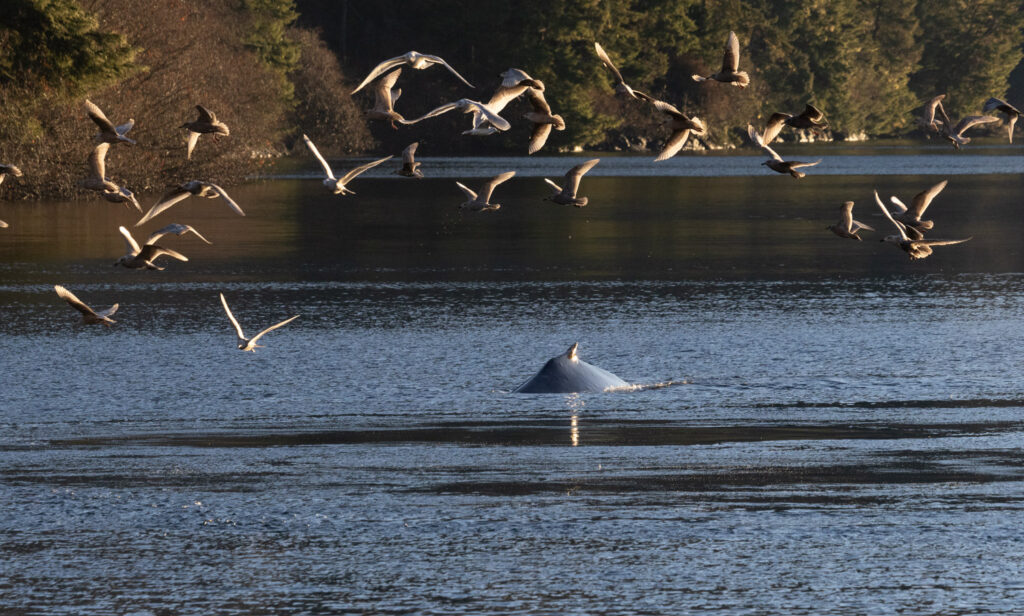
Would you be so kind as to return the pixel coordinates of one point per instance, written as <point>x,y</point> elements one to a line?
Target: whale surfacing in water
<point>568,374</point>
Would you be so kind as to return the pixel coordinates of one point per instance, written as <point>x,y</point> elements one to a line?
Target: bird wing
<point>354,172</point>
<point>380,69</point>
<point>796,164</point>
<point>469,193</point>
<point>1009,126</point>
<point>440,60</point>
<point>607,61</point>
<point>205,115</point>
<point>942,242</point>
<point>496,120</point>
<point>513,77</point>
<point>574,175</point>
<point>177,229</point>
<point>898,225</point>
<point>224,195</point>
<point>775,123</point>
<point>946,122</point>
<point>970,121</point>
<point>97,116</point>
<point>900,206</point>
<point>193,138</point>
<point>538,102</point>
<point>151,252</point>
<point>383,91</point>
<point>756,138</point>
<point>812,113</point>
<point>98,161</point>
<point>674,144</point>
<point>857,226</point>
<point>504,95</point>
<point>539,137</point>
<point>170,198</point>
<point>930,106</point>
<point>670,111</point>
<point>433,112</point>
<point>271,328</point>
<point>731,59</point>
<point>995,104</point>
<point>130,243</point>
<point>231,317</point>
<point>846,220</point>
<point>409,153</point>
<point>488,187</point>
<point>109,311</point>
<point>924,198</point>
<point>76,303</point>
<point>319,157</point>
<point>557,187</point>
<point>127,126</point>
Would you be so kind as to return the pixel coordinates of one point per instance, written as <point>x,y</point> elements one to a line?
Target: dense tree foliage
<point>262,67</point>
<point>867,63</point>
<point>231,57</point>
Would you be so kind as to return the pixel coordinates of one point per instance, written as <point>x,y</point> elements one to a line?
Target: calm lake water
<point>844,436</point>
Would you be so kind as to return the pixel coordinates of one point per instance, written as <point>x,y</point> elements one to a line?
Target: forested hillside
<point>264,68</point>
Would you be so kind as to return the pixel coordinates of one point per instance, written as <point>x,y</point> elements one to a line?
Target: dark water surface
<point>844,436</point>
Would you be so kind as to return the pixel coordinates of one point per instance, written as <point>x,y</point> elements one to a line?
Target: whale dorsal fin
<point>571,353</point>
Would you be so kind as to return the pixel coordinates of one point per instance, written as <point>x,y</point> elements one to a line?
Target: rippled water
<point>847,438</point>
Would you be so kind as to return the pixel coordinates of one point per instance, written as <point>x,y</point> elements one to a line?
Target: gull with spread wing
<point>848,227</point>
<point>410,166</point>
<point>108,132</point>
<point>339,185</point>
<point>777,164</point>
<point>1009,112</point>
<point>481,202</point>
<point>480,113</point>
<point>415,60</point>
<point>730,72</point>
<point>915,248</point>
<point>206,123</point>
<point>956,136</point>
<point>384,98</point>
<point>621,87</point>
<point>567,195</point>
<point>144,256</point>
<point>196,188</point>
<point>543,120</point>
<point>911,216</point>
<point>89,316</point>
<point>249,344</point>
<point>681,125</point>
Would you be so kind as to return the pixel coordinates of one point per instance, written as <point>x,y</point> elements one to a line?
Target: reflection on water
<point>839,404</point>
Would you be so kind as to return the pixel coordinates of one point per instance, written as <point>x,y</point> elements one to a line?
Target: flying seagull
<point>99,182</point>
<point>917,249</point>
<point>415,60</point>
<point>928,121</point>
<point>479,110</point>
<point>1009,112</point>
<point>730,72</point>
<point>6,170</point>
<point>482,202</point>
<point>410,167</point>
<point>777,164</point>
<point>956,135</point>
<point>108,132</point>
<point>911,216</point>
<point>89,316</point>
<point>621,87</point>
<point>567,195</point>
<point>197,188</point>
<point>543,120</point>
<point>339,185</point>
<point>385,97</point>
<point>848,227</point>
<point>249,344</point>
<point>206,123</point>
<point>681,125</point>
<point>144,257</point>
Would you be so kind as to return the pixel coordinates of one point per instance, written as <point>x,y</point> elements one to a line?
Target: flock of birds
<point>486,119</point>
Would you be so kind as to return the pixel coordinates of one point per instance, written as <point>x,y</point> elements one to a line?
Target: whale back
<point>567,374</point>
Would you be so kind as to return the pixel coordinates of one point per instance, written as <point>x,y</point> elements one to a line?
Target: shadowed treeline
<point>263,67</point>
